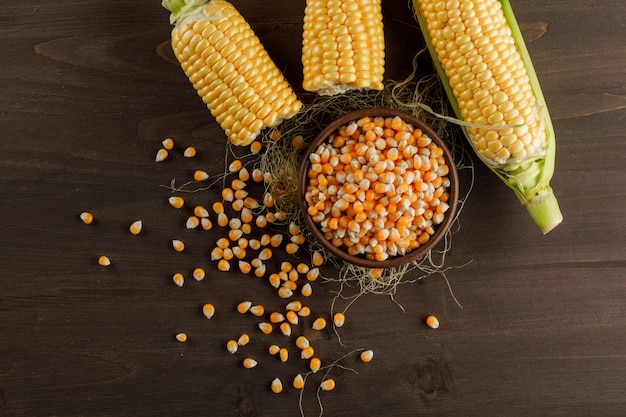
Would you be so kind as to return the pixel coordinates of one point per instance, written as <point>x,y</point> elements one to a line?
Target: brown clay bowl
<point>340,251</point>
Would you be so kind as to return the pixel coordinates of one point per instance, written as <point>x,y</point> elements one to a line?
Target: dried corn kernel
<point>181,337</point>
<point>284,354</point>
<point>273,349</point>
<point>232,346</point>
<point>104,261</point>
<point>294,306</point>
<point>223,265</point>
<point>276,317</point>
<point>306,290</point>
<point>208,310</point>
<point>168,143</point>
<point>176,202</point>
<point>192,222</point>
<point>313,274</point>
<point>161,155</point>
<point>298,382</point>
<point>257,310</point>
<point>178,279</point>
<point>292,317</point>
<point>305,311</point>
<point>249,363</point>
<point>284,292</point>
<point>178,245</point>
<point>307,352</point>
<point>189,152</point>
<point>206,223</point>
<point>200,175</point>
<point>243,340</point>
<point>302,342</point>
<point>198,274</point>
<point>86,217</point>
<point>317,258</point>
<point>276,386</point>
<point>328,384</point>
<point>285,328</point>
<point>339,319</point>
<point>432,322</point>
<point>244,306</point>
<point>315,364</point>
<point>319,323</point>
<point>367,355</point>
<point>266,327</point>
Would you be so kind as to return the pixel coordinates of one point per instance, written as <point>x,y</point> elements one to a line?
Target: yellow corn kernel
<point>244,306</point>
<point>339,319</point>
<point>285,328</point>
<point>222,243</point>
<point>238,205</point>
<point>305,311</point>
<point>274,280</point>
<point>257,310</point>
<point>260,271</point>
<point>222,219</point>
<point>306,290</point>
<point>307,352</point>
<point>342,46</point>
<point>367,355</point>
<point>315,364</point>
<point>244,266</point>
<point>217,253</point>
<point>161,155</point>
<point>292,317</point>
<point>276,317</point>
<point>317,259</point>
<point>228,254</point>
<point>206,224</point>
<point>86,217</point>
<point>223,265</point>
<point>328,384</point>
<point>273,349</point>
<point>181,337</point>
<point>189,152</point>
<point>265,254</point>
<point>104,261</point>
<point>255,147</point>
<point>313,274</point>
<point>290,285</point>
<point>298,382</point>
<point>192,222</point>
<point>276,386</point>
<point>432,322</point>
<point>249,363</point>
<point>232,346</point>
<point>284,292</point>
<point>319,323</point>
<point>199,274</point>
<point>208,310</point>
<point>294,306</point>
<point>291,248</point>
<point>302,342</point>
<point>200,175</point>
<point>176,202</point>
<point>200,212</point>
<point>244,174</point>
<point>218,207</point>
<point>168,143</point>
<point>235,166</point>
<point>276,240</point>
<point>178,245</point>
<point>243,340</point>
<point>178,279</point>
<point>239,252</point>
<point>227,64</point>
<point>283,353</point>
<point>266,328</point>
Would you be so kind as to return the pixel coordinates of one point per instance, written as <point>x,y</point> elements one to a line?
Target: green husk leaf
<point>529,180</point>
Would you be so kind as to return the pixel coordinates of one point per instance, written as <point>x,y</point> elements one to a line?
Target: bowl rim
<point>412,255</point>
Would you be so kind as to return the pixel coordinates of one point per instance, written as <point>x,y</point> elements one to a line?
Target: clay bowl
<point>359,259</point>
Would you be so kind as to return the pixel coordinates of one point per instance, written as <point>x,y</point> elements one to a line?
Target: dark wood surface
<point>87,92</point>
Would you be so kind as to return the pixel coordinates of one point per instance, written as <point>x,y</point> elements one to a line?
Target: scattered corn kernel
<point>86,217</point>
<point>313,274</point>
<point>294,306</point>
<point>273,349</point>
<point>198,274</point>
<point>232,346</point>
<point>240,253</point>
<point>161,155</point>
<point>328,384</point>
<point>235,166</point>
<point>276,240</point>
<point>208,310</point>
<point>135,227</point>
<point>243,340</point>
<point>218,207</point>
<point>298,382</point>
<point>192,222</point>
<point>317,258</point>
<point>276,317</point>
<point>255,147</point>
<point>265,254</point>
<point>284,354</point>
<point>189,152</point>
<point>168,143</point>
<point>367,355</point>
<point>181,337</point>
<point>284,292</point>
<point>315,364</point>
<point>306,290</point>
<point>178,279</point>
<point>176,202</point>
<point>104,260</point>
<point>206,223</point>
<point>291,248</point>
<point>339,319</point>
<point>292,317</point>
<point>302,342</point>
<point>260,271</point>
<point>257,310</point>
<point>266,327</point>
<point>249,363</point>
<point>244,306</point>
<point>178,245</point>
<point>319,323</point>
<point>285,328</point>
<point>200,175</point>
<point>432,322</point>
<point>307,352</point>
<point>277,386</point>
<point>223,265</point>
<point>305,311</point>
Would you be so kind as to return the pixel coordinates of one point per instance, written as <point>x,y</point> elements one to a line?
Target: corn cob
<point>482,60</point>
<point>229,68</point>
<point>343,46</point>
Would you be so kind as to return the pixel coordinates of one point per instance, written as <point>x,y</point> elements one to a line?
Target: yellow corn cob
<point>482,60</point>
<point>343,46</point>
<point>229,68</point>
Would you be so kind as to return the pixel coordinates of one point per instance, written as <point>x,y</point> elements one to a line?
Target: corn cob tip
<point>544,209</point>
<point>180,8</point>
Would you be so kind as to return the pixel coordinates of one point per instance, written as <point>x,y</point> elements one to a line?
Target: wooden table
<point>88,90</point>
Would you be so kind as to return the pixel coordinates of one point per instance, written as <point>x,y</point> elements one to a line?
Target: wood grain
<point>87,92</point>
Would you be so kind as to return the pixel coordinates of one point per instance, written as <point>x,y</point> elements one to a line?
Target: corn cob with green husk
<point>229,68</point>
<point>481,58</point>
